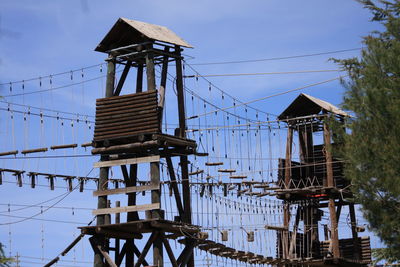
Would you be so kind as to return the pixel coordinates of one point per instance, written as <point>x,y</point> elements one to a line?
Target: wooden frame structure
<point>315,182</point>
<point>128,133</point>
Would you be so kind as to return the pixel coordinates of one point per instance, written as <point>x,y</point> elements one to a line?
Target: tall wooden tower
<point>312,183</point>
<point>128,133</point>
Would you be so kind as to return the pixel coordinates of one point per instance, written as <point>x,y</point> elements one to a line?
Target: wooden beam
<point>139,79</point>
<point>96,245</point>
<point>146,248</point>
<point>169,252</point>
<point>356,244</point>
<point>175,187</point>
<point>150,73</point>
<point>64,146</point>
<point>120,162</point>
<point>158,258</point>
<point>36,150</point>
<point>330,183</point>
<point>101,203</point>
<point>180,93</point>
<point>117,234</point>
<point>117,241</point>
<point>187,252</point>
<point>123,78</point>
<point>126,190</point>
<point>132,216</point>
<point>7,153</point>
<point>53,261</point>
<point>144,207</point>
<point>338,211</point>
<point>137,253</point>
<point>73,243</point>
<point>119,255</point>
<point>293,242</point>
<point>163,84</point>
<point>288,159</point>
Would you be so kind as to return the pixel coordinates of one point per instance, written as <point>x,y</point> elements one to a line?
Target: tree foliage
<point>4,261</point>
<point>372,146</point>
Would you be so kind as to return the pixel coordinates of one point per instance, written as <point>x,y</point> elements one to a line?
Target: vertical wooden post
<point>110,77</point>
<point>117,221</point>
<point>163,84</point>
<point>103,177</point>
<point>288,158</point>
<point>286,207</point>
<point>183,159</point>
<point>330,183</point>
<point>306,148</point>
<point>356,244</point>
<point>150,74</point>
<point>139,79</point>
<point>180,92</point>
<point>154,168</point>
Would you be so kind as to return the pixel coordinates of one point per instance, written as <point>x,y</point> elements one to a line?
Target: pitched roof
<point>127,32</point>
<point>305,105</point>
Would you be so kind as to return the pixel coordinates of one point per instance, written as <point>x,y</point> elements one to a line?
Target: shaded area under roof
<point>305,105</point>
<point>127,32</point>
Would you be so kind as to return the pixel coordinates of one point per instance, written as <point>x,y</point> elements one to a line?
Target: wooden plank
<point>36,150</point>
<point>63,146</point>
<point>14,152</point>
<point>113,99</point>
<point>214,163</point>
<point>113,123</point>
<point>132,107</point>
<point>126,190</point>
<point>126,114</point>
<point>120,162</point>
<point>123,148</point>
<point>128,134</point>
<point>226,170</point>
<point>151,123</point>
<point>144,207</point>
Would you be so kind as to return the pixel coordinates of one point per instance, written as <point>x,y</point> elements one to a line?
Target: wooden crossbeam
<point>177,195</point>
<point>153,206</point>
<point>169,252</point>
<point>146,248</point>
<point>126,190</point>
<point>120,162</point>
<point>97,247</point>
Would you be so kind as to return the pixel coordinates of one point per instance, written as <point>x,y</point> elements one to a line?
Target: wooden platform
<point>135,229</point>
<point>320,192</point>
<point>142,143</point>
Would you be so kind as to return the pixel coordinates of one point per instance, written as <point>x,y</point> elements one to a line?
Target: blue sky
<point>43,37</point>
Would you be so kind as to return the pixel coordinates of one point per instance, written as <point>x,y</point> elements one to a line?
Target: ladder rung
<point>226,170</point>
<point>214,163</point>
<point>153,206</point>
<point>238,176</point>
<point>126,190</point>
<point>120,162</point>
<point>196,172</point>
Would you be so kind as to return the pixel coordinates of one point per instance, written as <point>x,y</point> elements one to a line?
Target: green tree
<point>372,145</point>
<point>4,261</point>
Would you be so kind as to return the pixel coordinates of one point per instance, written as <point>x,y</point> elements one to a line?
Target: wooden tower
<point>128,133</point>
<point>312,183</point>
